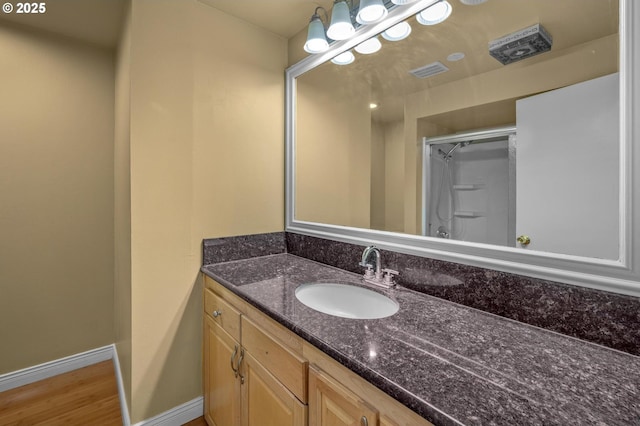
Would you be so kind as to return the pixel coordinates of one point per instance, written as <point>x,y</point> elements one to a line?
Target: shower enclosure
<point>469,186</point>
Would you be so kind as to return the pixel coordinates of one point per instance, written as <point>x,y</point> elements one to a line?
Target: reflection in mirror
<point>404,166</point>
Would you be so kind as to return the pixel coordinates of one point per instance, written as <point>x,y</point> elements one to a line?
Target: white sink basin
<point>347,301</point>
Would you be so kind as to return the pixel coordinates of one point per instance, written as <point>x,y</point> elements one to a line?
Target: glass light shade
<point>341,27</point>
<point>397,32</point>
<point>371,11</point>
<point>435,13</point>
<point>344,58</point>
<point>369,46</point>
<point>316,41</point>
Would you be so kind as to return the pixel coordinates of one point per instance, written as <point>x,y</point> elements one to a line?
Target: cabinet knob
<point>364,421</point>
<point>524,240</point>
<point>216,313</point>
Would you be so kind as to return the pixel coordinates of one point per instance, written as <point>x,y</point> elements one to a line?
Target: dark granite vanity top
<point>452,364</point>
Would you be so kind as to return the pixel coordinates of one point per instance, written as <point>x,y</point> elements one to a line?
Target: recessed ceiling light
<point>373,105</point>
<point>455,57</point>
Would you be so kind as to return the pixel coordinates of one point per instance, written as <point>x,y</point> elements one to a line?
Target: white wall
<point>567,169</point>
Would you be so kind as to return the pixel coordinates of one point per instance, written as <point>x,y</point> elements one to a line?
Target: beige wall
<point>333,154</point>
<point>207,160</point>
<point>122,204</point>
<point>56,192</point>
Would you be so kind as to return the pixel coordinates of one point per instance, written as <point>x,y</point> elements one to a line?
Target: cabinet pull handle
<point>364,421</point>
<point>216,313</point>
<point>233,356</point>
<point>240,362</point>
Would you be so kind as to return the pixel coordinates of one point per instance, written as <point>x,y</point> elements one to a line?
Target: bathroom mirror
<point>519,164</point>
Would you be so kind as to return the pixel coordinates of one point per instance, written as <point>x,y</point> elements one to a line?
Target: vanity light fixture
<point>397,32</point>
<point>371,11</point>
<point>341,27</point>
<point>369,46</point>
<point>435,13</point>
<point>316,40</point>
<point>402,2</point>
<point>345,58</point>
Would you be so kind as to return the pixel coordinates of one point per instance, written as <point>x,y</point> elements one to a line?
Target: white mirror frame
<point>620,276</point>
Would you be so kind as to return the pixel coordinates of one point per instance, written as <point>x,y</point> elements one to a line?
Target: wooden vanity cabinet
<point>221,348</point>
<point>279,373</point>
<point>222,388</point>
<point>338,396</point>
<point>250,379</point>
<point>330,404</point>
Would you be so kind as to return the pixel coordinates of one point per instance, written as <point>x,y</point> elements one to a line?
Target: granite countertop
<point>452,364</point>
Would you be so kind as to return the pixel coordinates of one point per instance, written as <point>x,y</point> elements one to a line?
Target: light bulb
<point>435,13</point>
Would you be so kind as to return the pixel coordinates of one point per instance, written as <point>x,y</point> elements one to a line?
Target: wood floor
<point>87,396</point>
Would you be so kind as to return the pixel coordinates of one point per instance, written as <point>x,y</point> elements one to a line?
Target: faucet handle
<point>368,273</point>
<point>388,276</point>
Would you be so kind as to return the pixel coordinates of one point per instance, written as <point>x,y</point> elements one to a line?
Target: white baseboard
<point>124,408</point>
<point>53,368</point>
<point>177,416</point>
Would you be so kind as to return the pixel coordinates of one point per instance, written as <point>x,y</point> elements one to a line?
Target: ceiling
<point>469,30</point>
<point>94,21</point>
<point>285,18</point>
<point>100,21</point>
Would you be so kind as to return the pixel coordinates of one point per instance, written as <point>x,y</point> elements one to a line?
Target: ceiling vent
<point>521,44</point>
<point>429,70</point>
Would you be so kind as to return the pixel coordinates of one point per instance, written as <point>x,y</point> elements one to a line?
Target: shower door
<point>469,187</point>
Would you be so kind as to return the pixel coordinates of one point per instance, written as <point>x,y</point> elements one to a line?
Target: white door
<point>567,169</point>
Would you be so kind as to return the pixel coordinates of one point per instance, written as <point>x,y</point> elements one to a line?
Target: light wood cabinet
<point>330,404</point>
<point>279,373</point>
<point>222,388</point>
<point>266,401</point>
<point>250,379</point>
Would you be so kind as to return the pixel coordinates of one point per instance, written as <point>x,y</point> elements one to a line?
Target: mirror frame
<point>619,276</point>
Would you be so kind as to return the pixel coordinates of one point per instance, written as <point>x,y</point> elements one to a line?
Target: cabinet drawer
<point>288,368</point>
<point>225,315</point>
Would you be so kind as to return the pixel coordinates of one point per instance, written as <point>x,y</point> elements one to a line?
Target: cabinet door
<point>265,401</point>
<point>330,404</point>
<point>221,387</point>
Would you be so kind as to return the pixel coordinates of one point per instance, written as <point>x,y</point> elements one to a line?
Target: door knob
<point>524,240</point>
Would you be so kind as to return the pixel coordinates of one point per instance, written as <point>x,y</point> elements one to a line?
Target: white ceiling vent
<point>429,70</point>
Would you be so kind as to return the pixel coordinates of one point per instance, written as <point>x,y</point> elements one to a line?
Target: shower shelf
<point>468,186</point>
<point>467,214</point>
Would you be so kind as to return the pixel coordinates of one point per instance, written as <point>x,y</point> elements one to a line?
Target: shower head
<point>447,155</point>
<point>456,146</point>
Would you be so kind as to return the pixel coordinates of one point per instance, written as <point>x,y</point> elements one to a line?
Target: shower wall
<point>469,196</point>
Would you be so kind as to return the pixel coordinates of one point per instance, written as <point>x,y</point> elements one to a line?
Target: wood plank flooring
<point>87,396</point>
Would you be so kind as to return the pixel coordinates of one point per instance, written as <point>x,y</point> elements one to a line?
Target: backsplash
<point>608,319</point>
<point>226,249</point>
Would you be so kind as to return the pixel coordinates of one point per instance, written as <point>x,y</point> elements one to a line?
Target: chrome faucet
<point>381,277</point>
